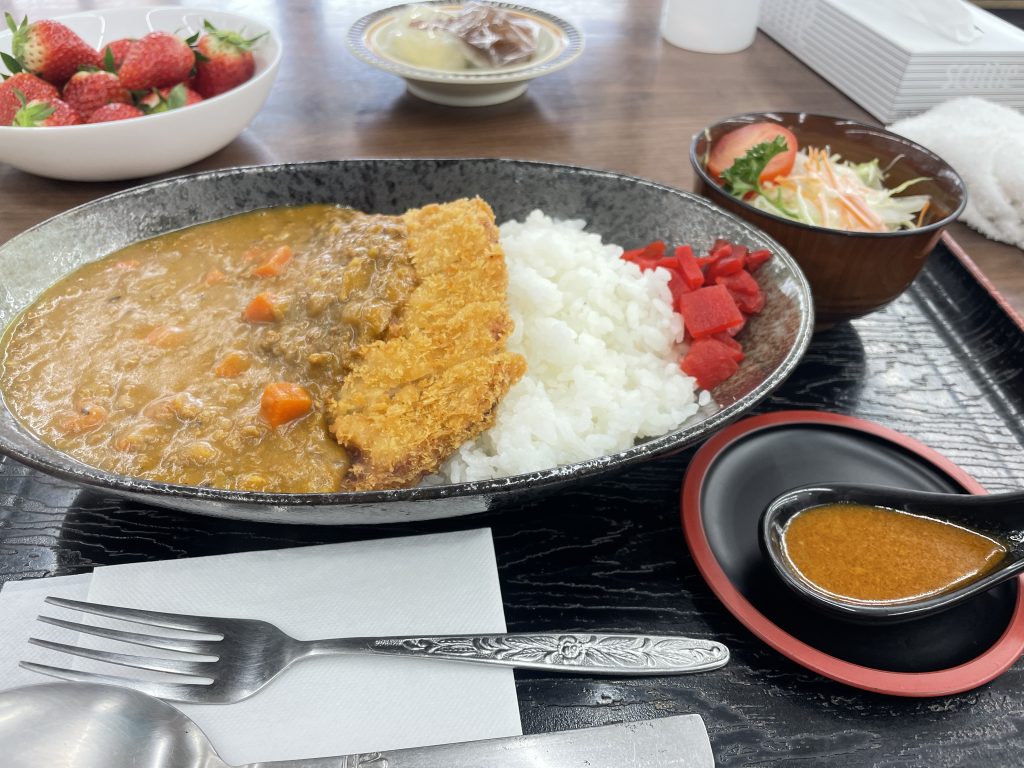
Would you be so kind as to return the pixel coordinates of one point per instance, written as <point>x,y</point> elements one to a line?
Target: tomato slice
<point>736,144</point>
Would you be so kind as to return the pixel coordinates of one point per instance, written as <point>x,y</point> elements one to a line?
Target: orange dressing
<point>872,554</point>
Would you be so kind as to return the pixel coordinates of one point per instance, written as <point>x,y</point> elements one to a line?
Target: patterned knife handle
<point>588,653</point>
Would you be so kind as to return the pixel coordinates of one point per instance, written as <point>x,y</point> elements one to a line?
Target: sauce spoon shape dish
<point>991,525</point>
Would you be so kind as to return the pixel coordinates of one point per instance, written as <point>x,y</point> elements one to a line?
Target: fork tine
<point>173,666</point>
<point>154,618</point>
<point>150,641</point>
<point>169,692</point>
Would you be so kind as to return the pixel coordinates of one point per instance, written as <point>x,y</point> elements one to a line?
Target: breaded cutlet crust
<point>412,399</point>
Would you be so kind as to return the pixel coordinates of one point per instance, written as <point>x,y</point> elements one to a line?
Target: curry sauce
<point>206,356</point>
<point>873,554</point>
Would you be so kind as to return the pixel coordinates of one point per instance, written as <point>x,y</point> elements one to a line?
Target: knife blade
<point>678,741</point>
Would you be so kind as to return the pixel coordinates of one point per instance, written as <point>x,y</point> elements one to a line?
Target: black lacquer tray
<point>943,364</point>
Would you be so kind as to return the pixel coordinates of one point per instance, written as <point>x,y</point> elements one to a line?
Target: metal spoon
<point>997,516</point>
<point>85,725</point>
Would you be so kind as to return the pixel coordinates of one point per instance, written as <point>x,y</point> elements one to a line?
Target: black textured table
<point>943,364</point>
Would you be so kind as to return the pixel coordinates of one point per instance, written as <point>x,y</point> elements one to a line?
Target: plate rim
<point>983,668</point>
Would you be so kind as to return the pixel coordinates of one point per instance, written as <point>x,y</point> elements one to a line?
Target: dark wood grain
<point>630,104</point>
<point>941,364</point>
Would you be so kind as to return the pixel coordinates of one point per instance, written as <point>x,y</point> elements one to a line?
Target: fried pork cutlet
<point>413,398</point>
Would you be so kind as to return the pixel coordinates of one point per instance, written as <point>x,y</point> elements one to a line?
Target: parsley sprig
<point>744,175</point>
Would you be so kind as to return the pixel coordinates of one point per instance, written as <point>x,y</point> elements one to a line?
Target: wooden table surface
<point>611,554</point>
<point>630,104</point>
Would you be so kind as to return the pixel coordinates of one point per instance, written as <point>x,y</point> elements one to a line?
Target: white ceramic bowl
<point>559,44</point>
<point>144,146</point>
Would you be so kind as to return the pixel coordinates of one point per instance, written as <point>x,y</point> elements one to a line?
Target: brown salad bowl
<point>850,273</point>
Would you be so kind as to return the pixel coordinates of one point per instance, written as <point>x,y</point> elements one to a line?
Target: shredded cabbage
<point>826,191</point>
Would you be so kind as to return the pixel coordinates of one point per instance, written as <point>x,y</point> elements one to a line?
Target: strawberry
<point>49,49</point>
<point>158,60</point>
<point>114,111</point>
<point>29,86</point>
<point>165,99</point>
<point>118,50</point>
<point>224,60</point>
<point>86,92</point>
<point>39,113</point>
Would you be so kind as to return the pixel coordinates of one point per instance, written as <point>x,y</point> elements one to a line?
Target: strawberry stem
<point>230,37</point>
<point>33,114</point>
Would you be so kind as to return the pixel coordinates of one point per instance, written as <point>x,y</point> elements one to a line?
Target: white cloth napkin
<point>441,583</point>
<point>984,142</point>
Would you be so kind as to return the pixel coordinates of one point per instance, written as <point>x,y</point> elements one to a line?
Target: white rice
<point>601,344</point>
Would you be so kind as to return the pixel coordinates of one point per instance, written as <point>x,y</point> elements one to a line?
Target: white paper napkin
<point>441,583</point>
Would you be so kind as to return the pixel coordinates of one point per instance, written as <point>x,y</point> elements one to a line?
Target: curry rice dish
<point>305,349</point>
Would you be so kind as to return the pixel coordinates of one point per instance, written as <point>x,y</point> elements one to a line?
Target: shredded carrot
<point>826,219</point>
<point>830,173</point>
<point>823,189</point>
<point>924,208</point>
<point>273,266</point>
<point>283,401</point>
<point>860,212</point>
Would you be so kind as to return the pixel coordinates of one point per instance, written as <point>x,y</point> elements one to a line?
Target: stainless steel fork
<point>230,659</point>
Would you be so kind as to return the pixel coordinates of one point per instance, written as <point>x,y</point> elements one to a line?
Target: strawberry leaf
<point>12,64</point>
<point>11,23</point>
<point>108,60</point>
<point>177,97</point>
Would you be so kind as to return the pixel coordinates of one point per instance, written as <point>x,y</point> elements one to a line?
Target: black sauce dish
<point>737,473</point>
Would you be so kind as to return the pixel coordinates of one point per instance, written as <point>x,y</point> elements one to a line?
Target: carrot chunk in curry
<point>273,266</point>
<point>232,364</point>
<point>264,308</point>
<point>283,401</point>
